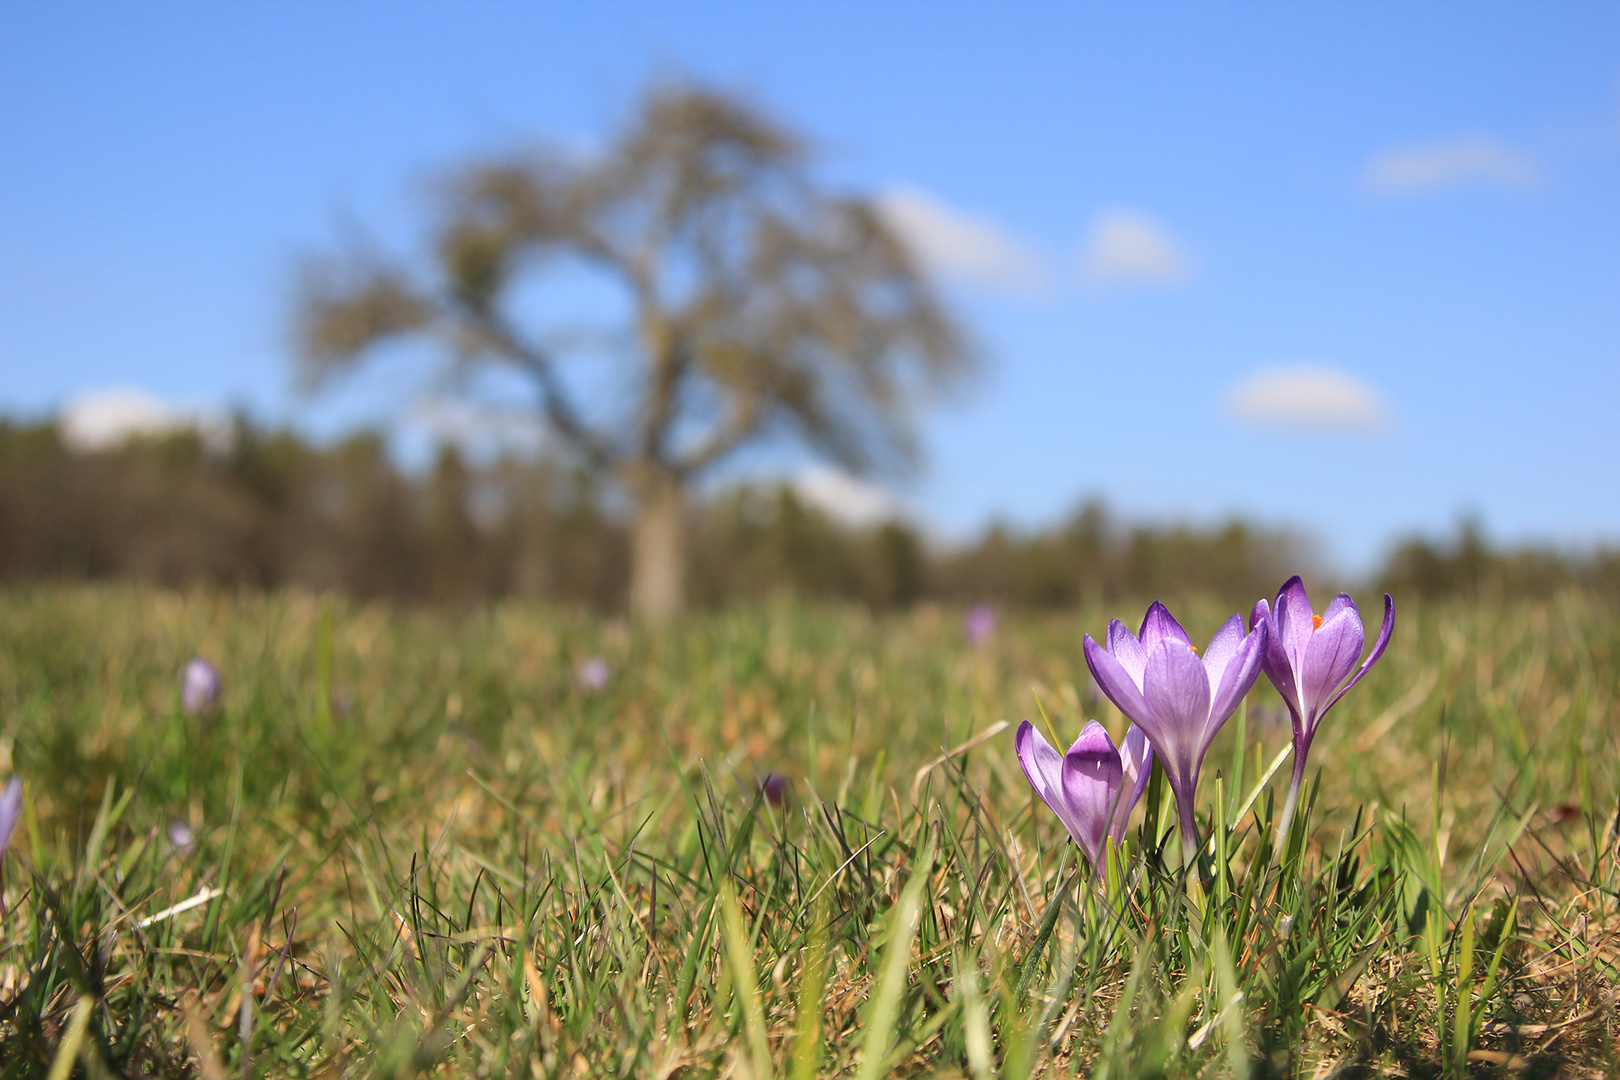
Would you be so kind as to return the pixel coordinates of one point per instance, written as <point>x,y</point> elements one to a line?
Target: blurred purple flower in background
<point>979,624</point>
<point>773,787</point>
<point>1093,787</point>
<point>11,808</point>
<point>181,838</point>
<point>1178,700</point>
<point>200,686</point>
<point>594,673</point>
<point>1311,660</point>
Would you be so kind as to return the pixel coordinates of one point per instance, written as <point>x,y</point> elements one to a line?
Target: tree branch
<point>554,402</point>
<point>737,427</point>
<point>670,363</point>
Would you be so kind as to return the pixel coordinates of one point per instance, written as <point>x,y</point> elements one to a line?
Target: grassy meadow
<point>414,843</point>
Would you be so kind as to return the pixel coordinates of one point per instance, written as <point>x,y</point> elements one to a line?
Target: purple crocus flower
<point>200,686</point>
<point>594,673</point>
<point>773,788</point>
<point>979,625</point>
<point>11,808</point>
<point>1311,660</point>
<point>1178,700</point>
<point>181,838</point>
<point>1093,787</point>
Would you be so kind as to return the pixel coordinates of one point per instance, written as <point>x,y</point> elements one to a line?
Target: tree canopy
<point>756,303</point>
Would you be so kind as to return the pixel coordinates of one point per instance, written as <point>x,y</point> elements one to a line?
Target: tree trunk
<point>658,554</point>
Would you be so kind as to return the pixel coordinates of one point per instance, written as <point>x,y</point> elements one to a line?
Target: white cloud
<point>1127,247</point>
<point>1411,170</point>
<point>476,427</point>
<point>106,419</point>
<point>848,500</point>
<point>958,245</point>
<point>1312,397</point>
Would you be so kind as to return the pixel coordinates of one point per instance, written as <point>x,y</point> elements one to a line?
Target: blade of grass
<point>812,981</point>
<point>895,966</point>
<point>740,954</point>
<point>975,1017</point>
<point>67,1052</point>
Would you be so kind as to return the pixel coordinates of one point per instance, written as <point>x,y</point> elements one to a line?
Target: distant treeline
<point>276,511</point>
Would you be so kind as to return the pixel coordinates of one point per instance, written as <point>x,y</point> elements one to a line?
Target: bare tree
<point>756,305</point>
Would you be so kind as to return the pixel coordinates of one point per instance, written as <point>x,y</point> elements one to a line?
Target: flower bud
<point>181,838</point>
<point>200,687</point>
<point>594,673</point>
<point>979,625</point>
<point>773,787</point>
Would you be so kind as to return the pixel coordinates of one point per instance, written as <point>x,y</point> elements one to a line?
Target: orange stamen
<point>1193,649</point>
<point>1316,622</point>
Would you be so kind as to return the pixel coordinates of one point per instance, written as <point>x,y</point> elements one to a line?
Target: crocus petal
<point>1372,657</point>
<point>1292,622</point>
<point>1176,693</point>
<point>1115,681</point>
<point>1261,612</point>
<point>1337,604</point>
<point>1222,647</point>
<point>1127,649</point>
<point>11,804</point>
<point>1136,757</point>
<point>1092,781</point>
<point>1237,680</point>
<point>1158,624</point>
<point>1094,742</point>
<point>1275,662</point>
<point>1043,766</point>
<point>1329,659</point>
<point>1176,687</point>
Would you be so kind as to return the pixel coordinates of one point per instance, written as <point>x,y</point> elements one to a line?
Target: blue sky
<point>1169,225</point>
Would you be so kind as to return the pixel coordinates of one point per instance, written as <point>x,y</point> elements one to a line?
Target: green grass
<point>426,850</point>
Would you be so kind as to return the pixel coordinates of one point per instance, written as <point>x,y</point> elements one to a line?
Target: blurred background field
<point>1515,697</point>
